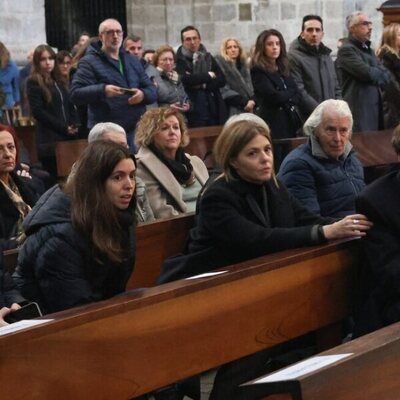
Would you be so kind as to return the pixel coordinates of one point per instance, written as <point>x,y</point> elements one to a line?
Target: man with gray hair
<point>325,174</point>
<point>116,133</point>
<point>361,74</point>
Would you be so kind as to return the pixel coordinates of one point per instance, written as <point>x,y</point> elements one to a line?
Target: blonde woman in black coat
<point>238,91</point>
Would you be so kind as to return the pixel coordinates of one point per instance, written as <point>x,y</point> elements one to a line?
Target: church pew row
<point>369,372</point>
<point>134,343</point>
<point>201,143</point>
<point>373,148</point>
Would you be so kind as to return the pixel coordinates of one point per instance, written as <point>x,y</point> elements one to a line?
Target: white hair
<point>333,106</point>
<point>247,117</point>
<point>353,18</point>
<point>105,22</point>
<point>97,132</point>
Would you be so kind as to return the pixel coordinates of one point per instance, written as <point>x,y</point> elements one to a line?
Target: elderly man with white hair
<point>325,174</point>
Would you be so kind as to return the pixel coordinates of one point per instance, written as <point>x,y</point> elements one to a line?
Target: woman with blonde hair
<point>238,92</point>
<point>173,178</point>
<point>389,54</point>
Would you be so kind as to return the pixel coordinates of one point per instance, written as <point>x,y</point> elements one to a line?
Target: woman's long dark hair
<point>45,81</point>
<point>92,213</point>
<point>259,58</point>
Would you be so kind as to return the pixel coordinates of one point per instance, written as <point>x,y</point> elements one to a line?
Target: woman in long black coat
<point>55,115</point>
<point>277,96</point>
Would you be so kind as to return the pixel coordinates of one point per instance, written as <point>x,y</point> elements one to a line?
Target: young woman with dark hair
<point>49,102</point>
<point>80,244</point>
<point>277,96</point>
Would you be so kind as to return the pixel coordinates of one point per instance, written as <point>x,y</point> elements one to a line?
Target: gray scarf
<point>201,59</point>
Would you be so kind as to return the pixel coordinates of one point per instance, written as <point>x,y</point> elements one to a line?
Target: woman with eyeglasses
<point>170,89</point>
<point>55,115</point>
<point>63,67</point>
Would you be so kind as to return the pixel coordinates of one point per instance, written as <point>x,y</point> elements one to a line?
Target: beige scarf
<point>16,198</point>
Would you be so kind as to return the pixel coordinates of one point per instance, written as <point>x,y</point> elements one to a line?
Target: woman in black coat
<point>80,244</point>
<point>238,91</point>
<point>247,213</point>
<point>389,54</point>
<point>17,195</point>
<point>55,115</point>
<point>276,93</point>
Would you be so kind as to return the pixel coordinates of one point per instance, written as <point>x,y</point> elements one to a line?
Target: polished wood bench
<point>27,135</point>
<point>155,241</point>
<point>138,342</point>
<point>370,372</point>
<point>201,143</point>
<point>67,152</point>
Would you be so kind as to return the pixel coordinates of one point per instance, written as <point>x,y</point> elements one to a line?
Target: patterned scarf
<point>16,198</point>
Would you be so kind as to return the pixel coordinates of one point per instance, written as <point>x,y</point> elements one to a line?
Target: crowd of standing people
<point>77,240</point>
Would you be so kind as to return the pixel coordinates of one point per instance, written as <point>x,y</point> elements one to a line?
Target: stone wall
<point>160,21</point>
<point>22,26</point>
<point>22,22</point>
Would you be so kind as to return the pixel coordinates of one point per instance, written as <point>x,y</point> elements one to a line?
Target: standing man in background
<point>102,77</point>
<point>202,79</point>
<point>311,65</point>
<point>362,75</point>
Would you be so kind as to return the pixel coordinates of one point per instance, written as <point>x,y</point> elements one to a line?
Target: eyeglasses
<point>112,32</point>
<point>365,23</point>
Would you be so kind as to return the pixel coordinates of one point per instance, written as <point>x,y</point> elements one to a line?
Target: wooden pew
<point>27,135</point>
<point>370,372</point>
<point>136,343</point>
<point>201,142</point>
<point>155,241</point>
<point>67,152</point>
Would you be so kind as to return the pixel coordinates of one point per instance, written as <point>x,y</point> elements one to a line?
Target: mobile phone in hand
<point>129,92</point>
<point>28,311</point>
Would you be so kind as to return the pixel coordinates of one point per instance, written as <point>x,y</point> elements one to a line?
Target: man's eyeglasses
<point>365,23</point>
<point>112,32</point>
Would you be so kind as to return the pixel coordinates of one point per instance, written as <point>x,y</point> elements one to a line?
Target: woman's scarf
<point>16,198</point>
<point>181,167</point>
<point>237,76</point>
